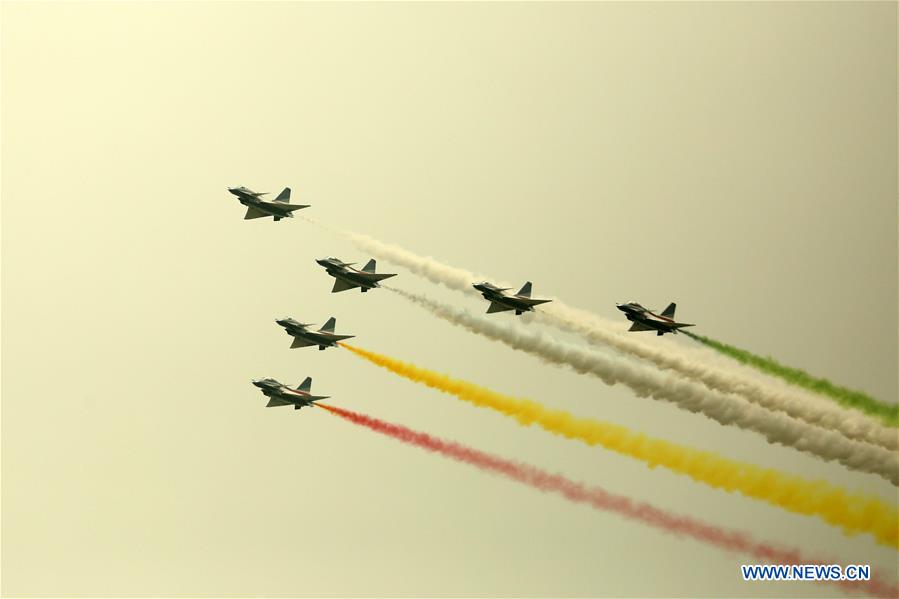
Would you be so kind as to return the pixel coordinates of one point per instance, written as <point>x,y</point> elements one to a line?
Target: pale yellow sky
<point>738,158</point>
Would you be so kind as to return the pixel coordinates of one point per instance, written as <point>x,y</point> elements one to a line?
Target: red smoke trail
<point>729,540</point>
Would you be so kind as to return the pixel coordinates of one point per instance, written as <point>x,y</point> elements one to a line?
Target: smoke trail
<point>600,331</point>
<point>851,512</point>
<point>723,408</point>
<point>887,412</point>
<point>684,526</point>
<point>457,279</point>
<point>850,424</point>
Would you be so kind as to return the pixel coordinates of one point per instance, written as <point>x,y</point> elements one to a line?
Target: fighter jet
<point>644,319</point>
<point>282,395</point>
<point>348,277</point>
<point>500,301</point>
<point>259,208</point>
<point>303,337</point>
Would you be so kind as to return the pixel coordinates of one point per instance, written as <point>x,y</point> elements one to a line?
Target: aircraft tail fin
<point>284,196</point>
<point>305,386</point>
<point>369,266</point>
<point>669,311</point>
<point>525,290</point>
<point>329,326</point>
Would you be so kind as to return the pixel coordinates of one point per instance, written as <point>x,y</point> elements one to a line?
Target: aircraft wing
<point>309,401</point>
<point>281,207</point>
<point>531,302</point>
<point>340,337</point>
<point>639,326</point>
<point>495,307</point>
<point>274,401</point>
<point>342,285</point>
<point>300,342</point>
<point>254,213</point>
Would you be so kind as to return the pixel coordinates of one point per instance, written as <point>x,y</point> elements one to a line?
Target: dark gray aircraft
<point>644,319</point>
<point>500,301</point>
<point>348,277</point>
<point>282,395</point>
<point>259,208</point>
<point>304,337</point>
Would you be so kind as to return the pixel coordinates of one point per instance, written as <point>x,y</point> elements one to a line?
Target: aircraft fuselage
<point>257,207</point>
<point>351,275</point>
<point>348,277</point>
<point>510,301</point>
<point>500,301</point>
<point>281,394</point>
<point>322,339</point>
<point>645,319</point>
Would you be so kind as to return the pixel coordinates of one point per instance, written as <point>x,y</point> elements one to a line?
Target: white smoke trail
<point>727,409</point>
<point>457,279</point>
<point>796,404</point>
<point>596,330</point>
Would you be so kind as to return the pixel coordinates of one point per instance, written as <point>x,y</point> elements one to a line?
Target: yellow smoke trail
<point>852,513</point>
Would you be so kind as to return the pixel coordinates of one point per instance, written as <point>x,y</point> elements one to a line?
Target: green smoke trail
<point>888,413</point>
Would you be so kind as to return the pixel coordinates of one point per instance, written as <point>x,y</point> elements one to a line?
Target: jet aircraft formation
<point>346,277</point>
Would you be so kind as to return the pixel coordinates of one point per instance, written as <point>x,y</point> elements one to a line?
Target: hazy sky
<point>739,159</point>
